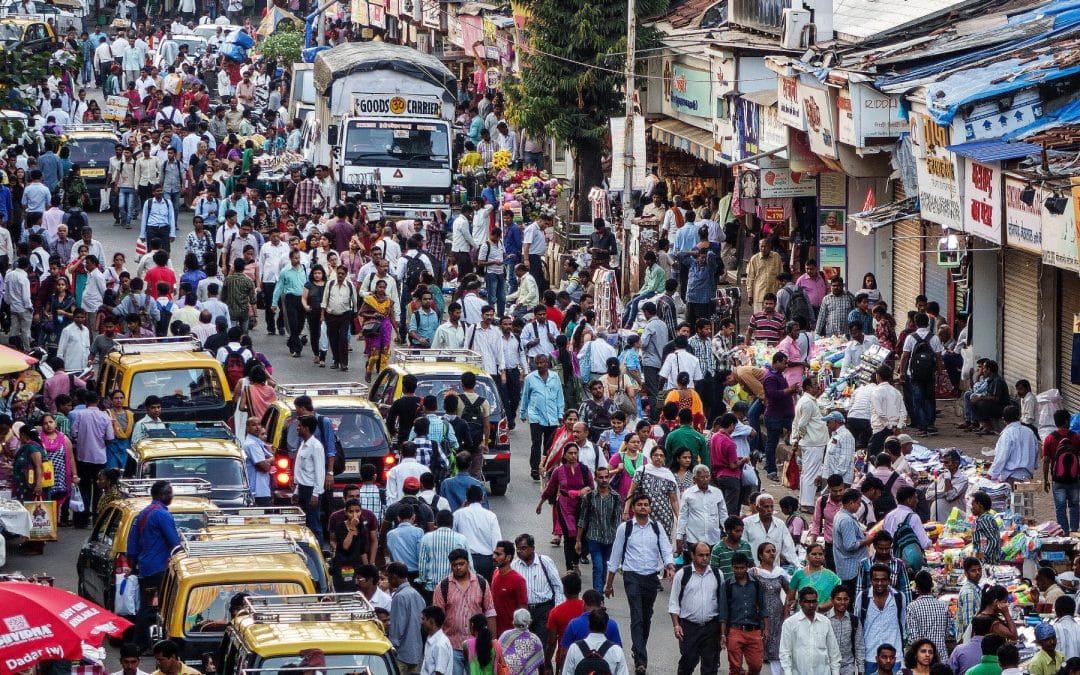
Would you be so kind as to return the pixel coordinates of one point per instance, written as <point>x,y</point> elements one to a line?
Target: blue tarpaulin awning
<point>994,150</point>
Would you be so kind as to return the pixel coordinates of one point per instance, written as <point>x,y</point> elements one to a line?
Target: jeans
<point>641,590</point>
<point>652,388</point>
<point>599,554</point>
<point>631,311</point>
<point>459,662</point>
<point>774,427</point>
<point>243,320</point>
<point>147,615</point>
<point>922,404</point>
<point>176,200</point>
<point>126,201</point>
<point>753,418</point>
<point>541,440</point>
<point>969,413</point>
<point>294,318</point>
<point>1067,498</point>
<point>311,513</point>
<point>496,291</point>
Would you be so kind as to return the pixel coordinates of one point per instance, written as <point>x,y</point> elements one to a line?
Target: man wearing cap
<point>1048,660</point>
<point>840,452</point>
<point>425,517</point>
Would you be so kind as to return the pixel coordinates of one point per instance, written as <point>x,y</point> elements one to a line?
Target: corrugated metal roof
<point>765,97</point>
<point>994,150</point>
<point>860,19</point>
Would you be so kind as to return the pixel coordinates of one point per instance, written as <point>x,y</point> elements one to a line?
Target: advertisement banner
<point>691,91</point>
<point>982,200</point>
<point>772,133</point>
<point>1023,222</point>
<point>832,260</point>
<point>115,109</point>
<point>746,127</point>
<point>1059,235</point>
<point>787,183</point>
<point>787,104</point>
<point>874,115</point>
<point>472,34</point>
<point>845,119</point>
<point>831,227</point>
<point>939,187</point>
<point>820,118</point>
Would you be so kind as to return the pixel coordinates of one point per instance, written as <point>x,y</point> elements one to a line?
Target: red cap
<point>411,483</point>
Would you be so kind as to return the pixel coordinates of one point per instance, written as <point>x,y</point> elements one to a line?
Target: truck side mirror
<point>331,134</point>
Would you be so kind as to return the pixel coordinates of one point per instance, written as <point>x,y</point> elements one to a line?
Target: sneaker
<point>536,476</point>
<point>774,477</point>
<point>932,431</point>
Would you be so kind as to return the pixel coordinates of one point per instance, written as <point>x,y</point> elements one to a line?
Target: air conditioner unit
<point>795,21</point>
<point>822,17</point>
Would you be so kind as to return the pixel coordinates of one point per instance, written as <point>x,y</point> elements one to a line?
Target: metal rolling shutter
<point>907,267</point>
<point>1020,320</point>
<point>1069,303</point>
<point>936,277</point>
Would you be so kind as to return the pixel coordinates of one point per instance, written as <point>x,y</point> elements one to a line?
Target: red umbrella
<point>39,623</point>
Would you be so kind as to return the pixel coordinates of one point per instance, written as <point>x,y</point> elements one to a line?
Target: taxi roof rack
<point>342,670</point>
<point>196,545</point>
<point>215,430</point>
<point>153,345</point>
<point>188,487</point>
<point>413,355</point>
<point>309,608</point>
<point>323,389</point>
<point>91,126</point>
<point>256,515</point>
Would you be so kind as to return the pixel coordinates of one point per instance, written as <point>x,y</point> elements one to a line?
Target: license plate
<point>93,173</point>
<point>352,467</point>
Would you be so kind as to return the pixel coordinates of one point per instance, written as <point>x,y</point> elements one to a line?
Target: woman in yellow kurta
<point>377,315</point>
<point>686,398</point>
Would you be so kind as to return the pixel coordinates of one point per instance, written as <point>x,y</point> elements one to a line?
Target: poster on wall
<point>788,109</point>
<point>819,115</point>
<point>1023,222</point>
<point>832,261</point>
<point>831,227</point>
<point>749,184</point>
<point>939,187</point>
<point>982,200</point>
<point>832,188</point>
<point>781,182</point>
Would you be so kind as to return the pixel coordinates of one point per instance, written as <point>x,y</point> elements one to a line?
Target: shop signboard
<point>982,200</point>
<point>358,12</point>
<point>874,115</point>
<point>831,227</point>
<point>781,182</point>
<point>939,187</point>
<point>472,35</point>
<point>376,15</point>
<point>787,102</point>
<point>819,115</point>
<point>1023,222</point>
<point>746,126</point>
<point>432,14</point>
<point>993,118</point>
<point>691,91</point>
<point>845,118</point>
<point>772,133</point>
<point>1059,234</point>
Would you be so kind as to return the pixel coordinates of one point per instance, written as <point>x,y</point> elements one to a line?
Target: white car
<point>207,31</point>
<point>63,13</point>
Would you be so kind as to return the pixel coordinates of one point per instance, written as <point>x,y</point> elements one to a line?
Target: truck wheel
<point>498,487</point>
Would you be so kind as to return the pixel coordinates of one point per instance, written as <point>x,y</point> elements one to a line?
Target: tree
<point>558,97</point>
<point>285,45</point>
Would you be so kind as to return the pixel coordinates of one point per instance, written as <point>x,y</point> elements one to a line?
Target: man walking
<point>406,605</point>
<point>542,581</point>
<point>702,510</point>
<point>920,362</point>
<point>598,519</point>
<point>158,220</point>
<point>653,339</point>
<point>809,436</point>
<point>807,643</point>
<point>779,409</point>
<point>880,611</point>
<point>150,543</point>
<point>460,596</point>
<point>338,307</point>
<point>435,546</point>
<point>542,406</point>
<point>849,544</point>
<point>596,645</point>
<point>927,616</point>
<point>744,618</point>
<point>92,428</point>
<point>290,287</point>
<point>694,606</point>
<point>641,550</point>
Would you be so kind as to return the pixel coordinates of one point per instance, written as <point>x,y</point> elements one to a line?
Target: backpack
<point>906,546</point>
<point>414,267</point>
<point>898,600</point>
<point>799,309</point>
<point>592,661</point>
<point>145,321</point>
<point>886,502</point>
<point>234,366</point>
<point>473,415</point>
<point>626,540</point>
<point>1065,468</point>
<point>689,570</point>
<point>444,586</point>
<point>923,359</point>
<point>164,318</point>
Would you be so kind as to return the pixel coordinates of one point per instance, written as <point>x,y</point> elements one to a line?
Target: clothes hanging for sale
<point>601,206</point>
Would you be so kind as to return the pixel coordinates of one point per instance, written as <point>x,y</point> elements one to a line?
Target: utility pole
<point>628,143</point>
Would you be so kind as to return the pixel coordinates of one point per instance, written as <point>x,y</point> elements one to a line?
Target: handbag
<point>623,401</point>
<point>260,299</point>
<point>42,520</point>
<point>789,477</point>
<point>48,477</point>
<point>126,600</point>
<point>371,328</point>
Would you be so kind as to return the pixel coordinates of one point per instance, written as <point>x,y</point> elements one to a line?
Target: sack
<point>126,600</point>
<point>104,194</point>
<point>750,477</point>
<point>371,328</point>
<point>48,477</point>
<point>42,520</point>
<point>799,309</point>
<point>1065,468</point>
<point>923,360</point>
<point>75,502</point>
<point>234,366</point>
<point>906,546</point>
<point>592,661</point>
<point>790,476</point>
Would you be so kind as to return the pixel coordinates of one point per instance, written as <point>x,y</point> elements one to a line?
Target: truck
<point>387,112</point>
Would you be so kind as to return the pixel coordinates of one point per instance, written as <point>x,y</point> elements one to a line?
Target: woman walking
<point>26,470</point>
<point>657,481</point>
<point>569,483</point>
<point>815,575</point>
<point>57,448</point>
<point>377,315</point>
<point>522,649</point>
<point>774,584</point>
<point>312,303</point>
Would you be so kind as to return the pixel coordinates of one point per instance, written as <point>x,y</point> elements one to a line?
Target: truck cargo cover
<point>358,57</point>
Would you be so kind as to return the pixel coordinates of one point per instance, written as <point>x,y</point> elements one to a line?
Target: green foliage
<point>286,44</point>
<point>19,71</point>
<point>557,96</point>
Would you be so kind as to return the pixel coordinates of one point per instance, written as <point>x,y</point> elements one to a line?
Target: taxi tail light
<point>504,432</point>
<point>121,566</point>
<point>283,475</point>
<point>388,463</point>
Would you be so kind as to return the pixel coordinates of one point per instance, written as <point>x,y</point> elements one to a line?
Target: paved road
<point>516,510</point>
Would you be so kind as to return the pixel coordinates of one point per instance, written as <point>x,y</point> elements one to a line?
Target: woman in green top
<point>815,575</point>
<point>482,652</point>
<point>26,474</point>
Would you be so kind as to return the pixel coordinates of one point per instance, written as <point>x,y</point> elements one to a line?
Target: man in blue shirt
<point>49,165</point>
<point>578,628</point>
<point>423,322</point>
<point>513,238</point>
<point>158,219</point>
<point>454,489</point>
<point>700,283</point>
<point>403,541</point>
<point>542,406</point>
<point>151,541</point>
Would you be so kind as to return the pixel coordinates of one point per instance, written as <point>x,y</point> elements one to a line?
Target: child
<point>986,538</point>
<point>612,439</point>
<point>796,524</point>
<point>1047,661</point>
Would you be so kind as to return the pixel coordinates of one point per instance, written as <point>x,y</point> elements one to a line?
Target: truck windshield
<point>393,143</point>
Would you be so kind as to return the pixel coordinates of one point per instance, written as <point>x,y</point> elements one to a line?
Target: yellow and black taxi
<point>203,575</point>
<point>275,636</point>
<point>261,522</point>
<point>359,429</point>
<point>206,450</point>
<point>91,146</point>
<point>27,35</point>
<point>438,373</point>
<point>190,383</point>
<point>103,558</point>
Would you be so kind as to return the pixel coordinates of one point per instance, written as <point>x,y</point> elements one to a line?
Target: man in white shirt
<point>809,436</point>
<point>807,643</point>
<point>481,222</point>
<point>74,346</point>
<point>273,257</point>
<point>382,273</point>
<point>438,652</point>
<point>856,346</point>
<point>528,292</point>
<point>538,337</point>
<point>94,290</point>
<point>702,510</point>
<point>542,581</point>
<point>478,525</point>
<point>129,660</point>
<point>596,353</point>
<point>680,361</point>
<point>888,415</point>
<point>461,240</point>
<point>534,248</point>
<point>451,333</point>
<point>309,472</point>
<point>589,456</point>
<point>485,339</point>
<point>762,527</point>
<point>408,467</point>
<point>391,250</point>
<point>17,294</point>
<point>472,304</point>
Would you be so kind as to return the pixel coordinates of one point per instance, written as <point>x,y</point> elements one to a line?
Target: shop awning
<point>765,97</point>
<point>682,136</point>
<point>868,221</point>
<point>994,150</point>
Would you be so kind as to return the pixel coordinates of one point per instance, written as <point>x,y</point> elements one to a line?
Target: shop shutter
<point>936,277</point>
<point>1020,321</point>
<point>907,268</point>
<point>1069,303</point>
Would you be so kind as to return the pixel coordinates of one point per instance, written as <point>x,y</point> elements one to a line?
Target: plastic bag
<point>750,477</point>
<point>126,601</point>
<point>75,503</point>
<point>104,196</point>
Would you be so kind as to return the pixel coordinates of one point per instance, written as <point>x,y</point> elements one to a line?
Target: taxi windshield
<point>340,663</point>
<point>222,472</point>
<point>179,388</point>
<point>10,32</point>
<point>189,522</point>
<point>207,608</point>
<point>358,431</point>
<point>97,150</point>
<point>441,385</point>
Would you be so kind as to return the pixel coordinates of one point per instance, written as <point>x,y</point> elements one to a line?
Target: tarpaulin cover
<point>1058,117</point>
<point>361,57</point>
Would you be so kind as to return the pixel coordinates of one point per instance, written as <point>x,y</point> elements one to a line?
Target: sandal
<point>556,541</point>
